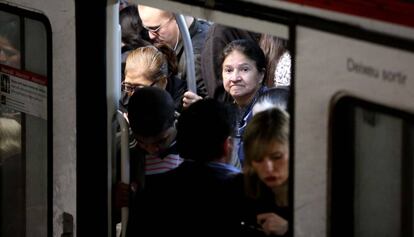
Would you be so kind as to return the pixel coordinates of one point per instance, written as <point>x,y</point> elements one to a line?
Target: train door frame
<point>291,18</point>
<point>95,99</point>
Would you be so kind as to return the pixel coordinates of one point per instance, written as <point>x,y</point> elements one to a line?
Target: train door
<point>334,54</point>
<point>25,123</point>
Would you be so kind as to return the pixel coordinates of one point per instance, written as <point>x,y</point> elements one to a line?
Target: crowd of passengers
<point>212,161</point>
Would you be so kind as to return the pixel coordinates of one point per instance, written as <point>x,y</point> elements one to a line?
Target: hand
<point>190,98</point>
<point>272,223</point>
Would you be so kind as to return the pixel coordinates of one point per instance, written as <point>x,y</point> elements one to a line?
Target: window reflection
<point>10,40</point>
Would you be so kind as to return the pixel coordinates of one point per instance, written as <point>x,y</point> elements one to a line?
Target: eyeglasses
<point>130,87</point>
<point>155,29</point>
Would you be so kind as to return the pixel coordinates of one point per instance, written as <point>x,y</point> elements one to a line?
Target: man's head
<point>151,114</point>
<point>161,25</point>
<point>204,131</point>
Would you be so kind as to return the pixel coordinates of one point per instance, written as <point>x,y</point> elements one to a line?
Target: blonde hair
<point>266,127</point>
<point>10,138</point>
<point>158,62</point>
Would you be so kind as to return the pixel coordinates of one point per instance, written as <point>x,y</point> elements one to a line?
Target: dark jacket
<point>242,117</point>
<point>191,200</point>
<point>176,88</point>
<point>198,32</point>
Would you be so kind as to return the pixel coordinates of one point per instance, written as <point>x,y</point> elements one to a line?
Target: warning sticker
<point>23,91</point>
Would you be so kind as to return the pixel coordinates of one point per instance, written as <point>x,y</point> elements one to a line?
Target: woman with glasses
<point>154,67</point>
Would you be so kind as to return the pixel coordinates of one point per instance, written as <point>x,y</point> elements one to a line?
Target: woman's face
<point>273,167</point>
<point>241,78</point>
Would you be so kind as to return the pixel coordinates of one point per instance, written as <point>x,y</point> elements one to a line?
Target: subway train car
<point>351,106</point>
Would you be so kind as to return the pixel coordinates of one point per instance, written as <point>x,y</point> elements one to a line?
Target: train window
<point>24,128</point>
<point>371,170</point>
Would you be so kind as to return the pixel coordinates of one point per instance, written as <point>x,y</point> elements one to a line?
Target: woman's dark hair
<point>249,48</point>
<point>273,48</point>
<point>133,34</point>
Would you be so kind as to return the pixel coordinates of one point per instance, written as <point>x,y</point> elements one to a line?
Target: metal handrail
<point>188,50</point>
<point>124,127</point>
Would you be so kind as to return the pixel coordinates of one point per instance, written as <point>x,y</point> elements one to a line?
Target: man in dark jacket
<point>162,28</point>
<point>195,199</point>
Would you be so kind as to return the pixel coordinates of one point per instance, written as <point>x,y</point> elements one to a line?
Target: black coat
<point>191,200</point>
<point>198,33</point>
<point>176,88</point>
